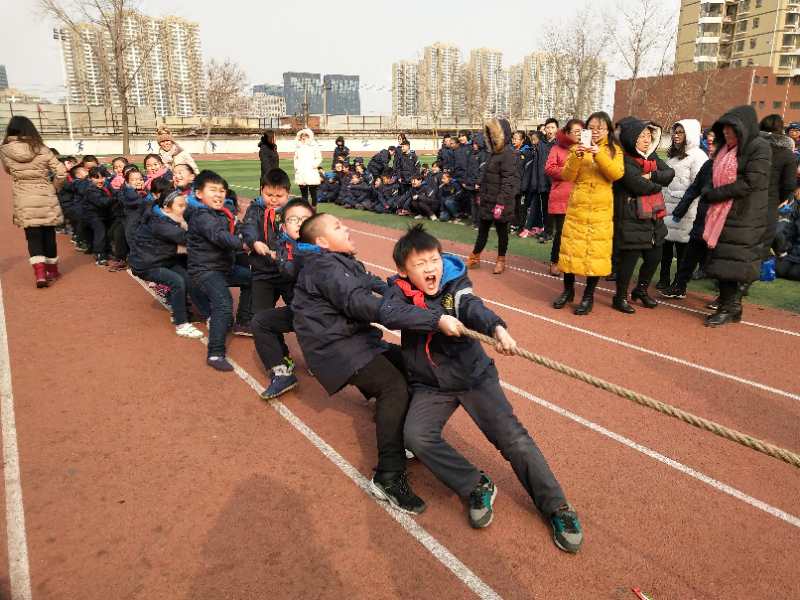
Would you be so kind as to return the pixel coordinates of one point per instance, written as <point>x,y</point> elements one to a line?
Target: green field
<point>243,176</point>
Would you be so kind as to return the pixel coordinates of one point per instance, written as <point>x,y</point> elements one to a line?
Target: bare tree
<point>476,93</point>
<point>642,31</point>
<point>115,35</point>
<point>225,83</point>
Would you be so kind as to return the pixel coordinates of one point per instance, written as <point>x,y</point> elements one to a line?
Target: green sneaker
<point>567,532</point>
<point>481,500</point>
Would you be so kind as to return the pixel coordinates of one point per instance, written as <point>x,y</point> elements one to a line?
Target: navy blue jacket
<point>210,244</point>
<point>446,158</point>
<point>256,229</point>
<point>461,160</point>
<point>342,152</point>
<point>379,162</point>
<point>476,163</point>
<point>97,202</point>
<point>328,191</point>
<point>69,197</point>
<point>334,305</point>
<point>440,362</point>
<point>405,166</point>
<point>155,243</point>
<point>133,204</point>
<point>540,181</point>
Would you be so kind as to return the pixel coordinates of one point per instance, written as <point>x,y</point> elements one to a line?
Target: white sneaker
<point>433,218</point>
<point>188,330</point>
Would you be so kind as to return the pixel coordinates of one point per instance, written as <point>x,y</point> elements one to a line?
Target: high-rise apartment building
<point>342,94</point>
<point>405,88</point>
<point>3,78</point>
<point>264,106</point>
<point>163,54</point>
<point>715,34</point>
<point>485,67</point>
<point>438,80</point>
<point>297,87</point>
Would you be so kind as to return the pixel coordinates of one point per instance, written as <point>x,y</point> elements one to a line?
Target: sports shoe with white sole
<point>567,533</point>
<point>187,330</point>
<point>397,492</point>
<point>481,502</point>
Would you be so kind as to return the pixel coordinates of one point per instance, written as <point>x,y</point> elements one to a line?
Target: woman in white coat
<point>307,159</point>
<point>685,157</point>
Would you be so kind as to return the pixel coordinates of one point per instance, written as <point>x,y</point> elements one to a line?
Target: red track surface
<point>147,475</point>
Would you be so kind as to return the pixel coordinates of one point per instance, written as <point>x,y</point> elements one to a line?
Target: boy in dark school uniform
<point>446,372</point>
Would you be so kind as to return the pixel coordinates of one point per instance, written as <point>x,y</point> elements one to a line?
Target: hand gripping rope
<point>729,434</point>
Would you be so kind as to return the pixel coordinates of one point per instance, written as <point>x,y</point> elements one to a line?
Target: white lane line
<point>628,345</point>
<point>419,533</point>
<point>597,428</point>
<point>18,570</point>
<point>547,276</point>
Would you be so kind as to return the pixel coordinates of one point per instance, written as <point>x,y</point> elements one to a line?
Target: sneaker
<point>674,291</point>
<point>433,218</point>
<point>714,304</point>
<point>220,363</point>
<point>398,493</point>
<point>567,532</point>
<point>481,500</point>
<point>417,217</point>
<point>410,455</point>
<point>282,381</point>
<point>663,285</point>
<point>242,329</point>
<point>287,360</point>
<point>188,330</point>
<point>100,260</point>
<point>115,266</point>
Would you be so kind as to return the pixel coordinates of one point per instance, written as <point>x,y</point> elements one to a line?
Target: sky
<point>268,38</point>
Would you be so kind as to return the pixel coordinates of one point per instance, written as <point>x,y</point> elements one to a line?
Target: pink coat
<point>560,189</point>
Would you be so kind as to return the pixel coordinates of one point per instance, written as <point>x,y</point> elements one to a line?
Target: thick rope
<point>667,409</point>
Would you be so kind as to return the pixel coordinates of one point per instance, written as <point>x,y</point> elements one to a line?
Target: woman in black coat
<point>736,259</point>
<point>639,211</point>
<point>268,153</point>
<point>498,189</point>
<point>783,175</point>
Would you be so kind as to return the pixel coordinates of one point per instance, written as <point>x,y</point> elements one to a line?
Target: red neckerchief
<point>231,220</point>
<point>186,191</point>
<point>269,218</point>
<point>289,251</point>
<point>418,299</point>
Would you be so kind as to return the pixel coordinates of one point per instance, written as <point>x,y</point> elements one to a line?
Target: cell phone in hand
<point>586,137</point>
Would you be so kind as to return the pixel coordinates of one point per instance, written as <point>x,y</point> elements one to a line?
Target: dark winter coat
<point>540,181</point>
<point>328,190</point>
<point>334,305</point>
<point>782,181</point>
<point>340,152</point>
<point>448,364</point>
<point>631,232</point>
<point>739,250</point>
<point>500,181</point>
<point>701,182</point>
<point>210,244</point>
<point>378,163</point>
<point>788,234</point>
<point>69,197</point>
<point>476,163</point>
<point>270,159</point>
<point>447,158</point>
<point>97,202</point>
<point>405,166</point>
<point>134,204</point>
<point>461,157</point>
<point>526,159</point>
<point>261,225</point>
<point>155,242</point>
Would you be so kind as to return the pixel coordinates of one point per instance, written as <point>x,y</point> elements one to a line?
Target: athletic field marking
<point>597,428</point>
<point>547,276</point>
<point>419,533</point>
<point>18,570</point>
<point>628,345</point>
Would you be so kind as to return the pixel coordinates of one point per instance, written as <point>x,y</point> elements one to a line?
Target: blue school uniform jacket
<point>155,243</point>
<point>334,307</point>
<point>211,242</point>
<point>262,225</point>
<point>434,360</point>
<point>97,202</point>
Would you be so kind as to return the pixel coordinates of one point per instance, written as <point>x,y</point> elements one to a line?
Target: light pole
<point>58,34</point>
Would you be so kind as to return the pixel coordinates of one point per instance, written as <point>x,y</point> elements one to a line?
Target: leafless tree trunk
<point>120,44</point>
<point>225,83</point>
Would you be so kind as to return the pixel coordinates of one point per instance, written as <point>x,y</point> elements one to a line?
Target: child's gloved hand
<point>450,326</point>
<point>505,343</point>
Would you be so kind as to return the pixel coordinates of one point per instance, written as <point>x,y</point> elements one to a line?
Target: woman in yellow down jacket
<point>588,232</point>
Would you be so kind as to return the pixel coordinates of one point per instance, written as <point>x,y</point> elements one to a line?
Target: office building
<point>405,88</point>
<point>299,88</point>
<point>269,89</point>
<point>3,78</point>
<point>264,106</point>
<point>342,95</point>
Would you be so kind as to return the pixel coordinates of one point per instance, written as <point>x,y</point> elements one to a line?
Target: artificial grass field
<point>243,176</point>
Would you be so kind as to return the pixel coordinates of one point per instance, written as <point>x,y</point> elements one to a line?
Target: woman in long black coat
<point>498,190</point>
<point>268,153</point>
<point>736,259</point>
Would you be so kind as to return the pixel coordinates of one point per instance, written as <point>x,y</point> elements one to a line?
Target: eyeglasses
<point>295,220</point>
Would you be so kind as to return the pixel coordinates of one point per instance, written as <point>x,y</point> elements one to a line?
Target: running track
<point>145,474</point>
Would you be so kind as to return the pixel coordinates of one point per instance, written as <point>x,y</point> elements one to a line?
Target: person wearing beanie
<point>171,153</point>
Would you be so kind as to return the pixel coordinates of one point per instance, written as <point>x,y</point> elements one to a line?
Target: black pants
<point>627,264</point>
<point>557,222</point>
<point>490,410</point>
<point>119,242</point>
<point>679,249</point>
<point>537,211</point>
<point>521,203</point>
<point>268,327</point>
<point>694,254</point>
<point>99,234</point>
<point>728,293</point>
<point>305,190</point>
<point>786,269</point>
<point>422,207</point>
<point>384,379</point>
<point>266,294</point>
<point>41,242</point>
<point>483,236</point>
<point>591,284</point>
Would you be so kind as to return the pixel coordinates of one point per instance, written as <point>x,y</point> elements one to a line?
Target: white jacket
<point>180,157</point>
<point>686,170</point>
<point>307,159</point>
